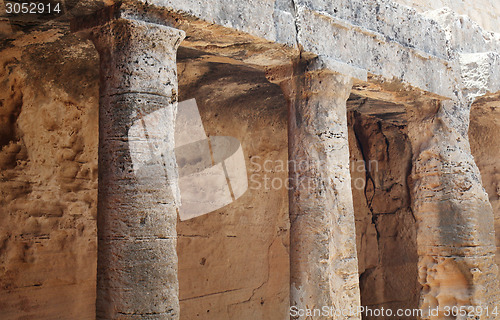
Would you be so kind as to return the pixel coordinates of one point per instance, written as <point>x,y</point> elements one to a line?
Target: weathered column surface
<point>455,230</point>
<point>323,261</point>
<point>137,261</point>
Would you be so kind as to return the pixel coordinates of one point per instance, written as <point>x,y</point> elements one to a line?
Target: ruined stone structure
<point>369,128</point>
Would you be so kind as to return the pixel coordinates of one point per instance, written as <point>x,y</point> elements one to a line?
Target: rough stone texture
<point>385,226</point>
<point>455,231</point>
<point>48,177</point>
<point>383,37</point>
<point>48,169</point>
<point>272,20</point>
<point>52,274</point>
<point>484,134</point>
<point>138,192</point>
<point>484,12</point>
<point>323,262</point>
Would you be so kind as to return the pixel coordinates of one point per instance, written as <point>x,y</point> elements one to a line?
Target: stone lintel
<point>365,35</point>
<point>480,74</point>
<point>346,32</point>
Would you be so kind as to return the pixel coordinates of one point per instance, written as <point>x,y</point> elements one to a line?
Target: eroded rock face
<point>488,19</point>
<point>234,262</point>
<point>380,163</point>
<point>48,177</point>
<point>484,134</point>
<point>455,234</point>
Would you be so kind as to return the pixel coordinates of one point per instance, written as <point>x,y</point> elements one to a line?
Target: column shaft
<point>137,193</point>
<point>455,234</point>
<point>323,261</point>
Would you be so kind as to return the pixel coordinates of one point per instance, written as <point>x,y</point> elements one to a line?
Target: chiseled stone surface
<point>323,261</point>
<point>484,134</point>
<point>233,263</point>
<point>455,229</point>
<point>383,37</point>
<point>484,12</point>
<point>138,193</point>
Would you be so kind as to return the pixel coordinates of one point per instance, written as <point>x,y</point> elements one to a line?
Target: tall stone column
<point>138,193</point>
<point>323,261</point>
<point>455,229</point>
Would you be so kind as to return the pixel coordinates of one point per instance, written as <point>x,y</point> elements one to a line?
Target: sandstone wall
<point>484,135</point>
<point>233,263</point>
<point>48,178</point>
<point>385,225</point>
<point>486,13</point>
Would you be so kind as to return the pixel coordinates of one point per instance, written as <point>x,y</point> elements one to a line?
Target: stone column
<point>138,193</point>
<point>455,229</point>
<point>323,261</point>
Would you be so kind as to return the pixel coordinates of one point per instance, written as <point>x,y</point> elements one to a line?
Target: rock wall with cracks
<point>385,224</point>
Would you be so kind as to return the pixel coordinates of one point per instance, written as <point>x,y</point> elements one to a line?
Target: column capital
<point>329,65</point>
<point>301,71</point>
<point>138,51</point>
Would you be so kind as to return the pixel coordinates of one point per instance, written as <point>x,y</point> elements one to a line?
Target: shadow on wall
<point>385,225</point>
<point>233,262</point>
